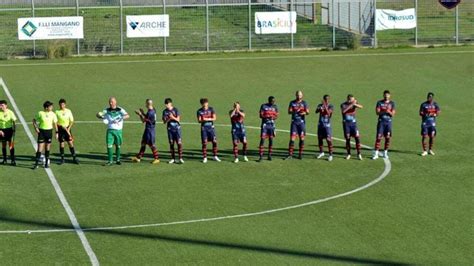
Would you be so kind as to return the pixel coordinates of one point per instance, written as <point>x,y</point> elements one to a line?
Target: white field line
<point>386,171</point>
<point>243,58</point>
<point>54,182</point>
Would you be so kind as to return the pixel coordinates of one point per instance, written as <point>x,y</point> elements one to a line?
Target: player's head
<point>62,103</point>
<point>271,100</point>
<point>350,98</point>
<point>236,104</point>
<point>3,105</point>
<point>48,106</point>
<point>168,102</point>
<point>326,98</point>
<point>430,96</point>
<point>386,95</point>
<point>299,95</point>
<point>149,103</point>
<point>112,102</point>
<point>204,102</point>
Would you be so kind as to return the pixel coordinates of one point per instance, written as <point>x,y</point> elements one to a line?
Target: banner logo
<point>275,22</point>
<point>29,28</point>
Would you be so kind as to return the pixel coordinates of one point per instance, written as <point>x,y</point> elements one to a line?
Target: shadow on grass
<point>211,243</point>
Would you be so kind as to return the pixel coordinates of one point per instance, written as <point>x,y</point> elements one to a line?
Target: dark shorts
<point>63,135</point>
<point>298,129</point>
<point>239,135</point>
<point>324,131</point>
<point>428,129</point>
<point>208,133</point>
<point>350,129</point>
<point>384,128</point>
<point>267,131</point>
<point>148,137</point>
<point>7,134</point>
<point>174,134</point>
<point>45,136</point>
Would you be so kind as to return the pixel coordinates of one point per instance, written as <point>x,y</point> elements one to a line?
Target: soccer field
<point>405,210</point>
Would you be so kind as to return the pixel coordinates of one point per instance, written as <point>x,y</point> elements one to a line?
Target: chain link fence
<point>218,25</point>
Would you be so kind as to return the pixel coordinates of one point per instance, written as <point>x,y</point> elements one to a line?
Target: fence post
<point>33,14</point>
<point>457,25</point>
<point>77,42</point>
<point>207,25</point>
<point>416,28</point>
<point>291,19</point>
<point>250,24</point>
<point>333,25</point>
<point>375,24</point>
<point>121,27</point>
<point>164,40</point>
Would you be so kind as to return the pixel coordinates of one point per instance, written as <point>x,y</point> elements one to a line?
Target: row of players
<point>62,121</point>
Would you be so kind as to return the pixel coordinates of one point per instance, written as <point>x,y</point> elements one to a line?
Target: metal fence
<point>215,25</point>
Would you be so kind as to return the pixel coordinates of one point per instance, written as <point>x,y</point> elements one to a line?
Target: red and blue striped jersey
<point>298,110</point>
<point>268,112</point>
<point>204,114</point>
<point>429,111</point>
<point>383,107</point>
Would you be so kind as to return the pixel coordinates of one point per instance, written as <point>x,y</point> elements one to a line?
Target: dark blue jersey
<point>206,114</point>
<point>268,113</point>
<point>383,109</point>
<point>325,113</point>
<point>166,117</point>
<point>298,110</point>
<point>429,111</point>
<point>350,115</point>
<point>150,119</point>
<point>237,120</point>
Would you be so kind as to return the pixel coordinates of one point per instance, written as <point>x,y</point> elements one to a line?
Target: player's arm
<point>438,110</point>
<point>35,125</point>
<point>199,118</point>
<point>377,109</point>
<point>242,114</point>
<point>319,108</point>
<point>141,115</point>
<point>55,126</point>
<point>290,110</point>
<point>214,117</point>
<point>422,111</point>
<point>305,110</point>
<point>276,114</point>
<point>232,112</point>
<point>393,110</point>
<point>346,109</point>
<point>360,106</point>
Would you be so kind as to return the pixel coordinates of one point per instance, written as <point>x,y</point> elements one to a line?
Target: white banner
<point>148,26</point>
<point>275,22</point>
<point>48,28</point>
<point>387,19</point>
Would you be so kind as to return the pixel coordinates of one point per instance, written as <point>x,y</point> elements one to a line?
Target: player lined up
<point>62,121</point>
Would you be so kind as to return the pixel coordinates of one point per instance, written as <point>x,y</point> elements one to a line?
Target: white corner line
<point>72,217</point>
<point>237,58</point>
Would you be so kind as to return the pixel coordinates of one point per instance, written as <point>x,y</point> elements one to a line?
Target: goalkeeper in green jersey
<point>113,117</point>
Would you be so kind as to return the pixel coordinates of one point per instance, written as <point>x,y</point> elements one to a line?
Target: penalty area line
<point>62,198</point>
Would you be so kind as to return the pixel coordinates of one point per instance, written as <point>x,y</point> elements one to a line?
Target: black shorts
<point>45,136</point>
<point>63,136</point>
<point>7,134</point>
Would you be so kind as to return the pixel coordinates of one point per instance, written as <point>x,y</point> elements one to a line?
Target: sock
<point>378,140</point>
<point>141,152</point>
<point>270,146</point>
<point>110,154</point>
<point>260,147</point>
<point>320,144</point>
<point>431,143</point>
<point>38,156</point>
<point>301,147</point>
<point>244,148</point>
<point>204,150</point>
<point>4,153</point>
<point>118,151</point>
<point>180,150</point>
<point>357,140</point>
<point>291,147</point>
<point>235,150</point>
<point>46,157</point>
<point>330,147</point>
<point>423,143</point>
<point>172,152</point>
<point>387,143</point>
<point>348,145</point>
<point>214,148</point>
<point>61,152</point>
<point>154,150</point>
<point>12,154</point>
<point>73,152</point>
